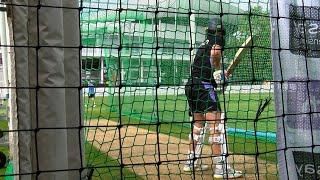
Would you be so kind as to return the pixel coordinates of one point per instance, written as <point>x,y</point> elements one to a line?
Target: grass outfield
<point>241,110</point>
<point>173,115</point>
<point>106,167</point>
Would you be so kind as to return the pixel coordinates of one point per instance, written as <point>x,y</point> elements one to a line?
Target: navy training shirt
<point>202,68</point>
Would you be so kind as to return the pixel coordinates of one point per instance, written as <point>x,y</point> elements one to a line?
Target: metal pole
<point>101,70</point>
<point>3,37</point>
<point>175,56</point>
<point>193,28</point>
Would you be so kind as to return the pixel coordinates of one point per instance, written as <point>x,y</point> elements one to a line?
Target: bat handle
<point>223,76</point>
<point>227,74</point>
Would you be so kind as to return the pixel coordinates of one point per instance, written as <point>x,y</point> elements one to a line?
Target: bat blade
<point>236,60</point>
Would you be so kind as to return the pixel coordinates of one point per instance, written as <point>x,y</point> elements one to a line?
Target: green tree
<point>256,66</point>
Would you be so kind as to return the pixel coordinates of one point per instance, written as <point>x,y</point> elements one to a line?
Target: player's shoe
<point>229,173</point>
<point>202,167</point>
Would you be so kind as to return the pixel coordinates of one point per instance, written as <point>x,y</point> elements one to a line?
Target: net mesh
<point>144,52</point>
<point>135,61</point>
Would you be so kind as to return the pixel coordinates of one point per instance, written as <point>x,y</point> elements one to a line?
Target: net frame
<point>119,90</point>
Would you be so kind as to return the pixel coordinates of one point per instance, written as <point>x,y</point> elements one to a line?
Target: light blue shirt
<point>91,88</point>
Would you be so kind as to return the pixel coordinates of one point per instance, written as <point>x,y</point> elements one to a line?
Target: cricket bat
<point>236,60</point>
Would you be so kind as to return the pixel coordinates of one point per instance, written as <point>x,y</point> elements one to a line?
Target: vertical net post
<point>46,66</point>
<point>295,55</point>
<point>20,71</point>
<point>73,91</point>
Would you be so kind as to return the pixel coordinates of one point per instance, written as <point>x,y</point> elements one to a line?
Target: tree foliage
<point>256,65</point>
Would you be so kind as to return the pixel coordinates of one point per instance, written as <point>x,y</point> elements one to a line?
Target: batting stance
<point>204,104</point>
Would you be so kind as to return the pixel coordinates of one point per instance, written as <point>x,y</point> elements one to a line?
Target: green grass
<point>106,167</point>
<point>237,145</point>
<point>173,115</point>
<point>241,110</point>
<point>248,146</point>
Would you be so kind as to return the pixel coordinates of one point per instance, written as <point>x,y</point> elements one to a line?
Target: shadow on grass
<point>105,167</point>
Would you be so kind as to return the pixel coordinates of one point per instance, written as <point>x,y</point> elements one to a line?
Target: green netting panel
<point>139,39</point>
<point>256,66</point>
<point>174,72</point>
<point>139,120</point>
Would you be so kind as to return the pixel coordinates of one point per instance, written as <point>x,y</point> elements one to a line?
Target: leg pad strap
<point>197,134</point>
<point>217,139</point>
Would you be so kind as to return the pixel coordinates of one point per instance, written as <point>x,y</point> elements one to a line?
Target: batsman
<point>204,104</point>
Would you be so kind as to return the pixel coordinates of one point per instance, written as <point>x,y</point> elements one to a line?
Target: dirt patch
<point>142,150</point>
